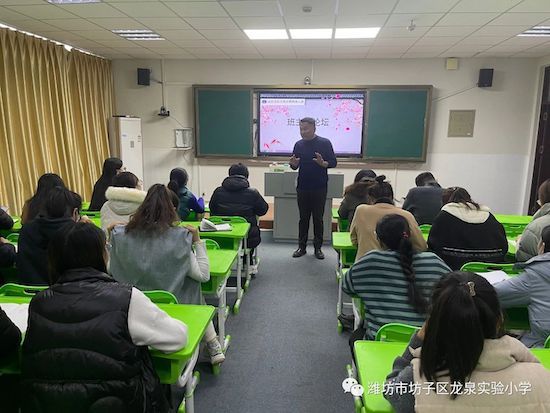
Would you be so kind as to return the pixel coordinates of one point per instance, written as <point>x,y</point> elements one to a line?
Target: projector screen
<point>338,116</point>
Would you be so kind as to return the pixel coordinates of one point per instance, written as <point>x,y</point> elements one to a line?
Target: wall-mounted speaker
<point>143,77</point>
<point>485,78</point>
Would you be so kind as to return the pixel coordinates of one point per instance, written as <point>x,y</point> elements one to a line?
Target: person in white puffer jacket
<point>123,199</point>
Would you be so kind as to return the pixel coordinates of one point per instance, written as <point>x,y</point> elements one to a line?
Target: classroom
<point>349,178</point>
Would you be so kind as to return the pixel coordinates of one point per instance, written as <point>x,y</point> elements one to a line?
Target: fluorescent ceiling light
<point>129,31</point>
<point>537,31</point>
<point>357,33</point>
<point>145,38</point>
<point>311,33</point>
<point>73,1</point>
<point>267,34</point>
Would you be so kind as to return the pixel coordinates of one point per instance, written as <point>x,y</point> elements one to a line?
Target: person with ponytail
<point>363,225</point>
<point>394,283</point>
<point>465,231</point>
<point>188,202</point>
<point>357,193</point>
<point>460,347</point>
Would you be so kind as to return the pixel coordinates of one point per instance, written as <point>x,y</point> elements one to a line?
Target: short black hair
<point>424,179</point>
<point>76,245</point>
<point>238,169</point>
<point>364,174</point>
<point>309,120</point>
<point>62,202</point>
<point>125,180</point>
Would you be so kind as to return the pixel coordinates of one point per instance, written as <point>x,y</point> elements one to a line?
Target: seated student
<point>124,197</point>
<point>188,201</point>
<point>531,288</point>
<point>461,346</point>
<point>366,218</point>
<point>424,201</point>
<point>395,283</point>
<point>529,240</point>
<point>35,205</point>
<point>235,197</point>
<point>61,207</point>
<point>111,167</point>
<point>86,346</point>
<point>10,340</point>
<point>7,250</point>
<point>357,193</point>
<point>153,253</point>
<point>465,231</point>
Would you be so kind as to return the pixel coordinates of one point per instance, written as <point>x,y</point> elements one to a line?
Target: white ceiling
<point>212,29</point>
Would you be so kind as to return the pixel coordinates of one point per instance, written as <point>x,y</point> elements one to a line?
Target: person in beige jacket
<point>363,226</point>
<point>460,361</point>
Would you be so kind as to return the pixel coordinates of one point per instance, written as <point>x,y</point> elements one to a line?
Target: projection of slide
<point>338,116</point>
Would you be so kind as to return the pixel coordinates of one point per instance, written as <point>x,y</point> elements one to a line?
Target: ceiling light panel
<point>266,34</point>
<point>357,33</point>
<point>311,33</point>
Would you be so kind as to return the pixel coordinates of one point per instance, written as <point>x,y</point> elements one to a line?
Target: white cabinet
<point>125,142</point>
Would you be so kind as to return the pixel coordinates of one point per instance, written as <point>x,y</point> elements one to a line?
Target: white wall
<point>494,165</point>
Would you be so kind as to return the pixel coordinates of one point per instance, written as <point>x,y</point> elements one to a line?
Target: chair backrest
<point>396,332</point>
<point>343,224</point>
<point>91,214</point>
<point>19,290</point>
<point>222,219</point>
<point>13,237</point>
<point>513,230</point>
<point>547,342</point>
<point>211,244</point>
<point>425,228</point>
<point>489,266</point>
<point>161,297</point>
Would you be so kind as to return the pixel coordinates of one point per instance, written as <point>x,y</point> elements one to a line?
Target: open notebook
<point>207,226</point>
<point>494,277</point>
<point>18,314</point>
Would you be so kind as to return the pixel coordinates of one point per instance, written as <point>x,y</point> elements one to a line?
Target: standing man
<point>313,155</point>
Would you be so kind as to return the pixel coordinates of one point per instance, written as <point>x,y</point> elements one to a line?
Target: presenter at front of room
<point>312,155</point>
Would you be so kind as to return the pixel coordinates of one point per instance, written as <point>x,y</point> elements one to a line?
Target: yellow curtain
<point>54,110</point>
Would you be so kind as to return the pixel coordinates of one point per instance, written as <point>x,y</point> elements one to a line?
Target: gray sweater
<point>532,289</point>
<point>160,262</point>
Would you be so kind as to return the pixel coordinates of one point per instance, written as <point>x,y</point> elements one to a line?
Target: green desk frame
<point>233,240</point>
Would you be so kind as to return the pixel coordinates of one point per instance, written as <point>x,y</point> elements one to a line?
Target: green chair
<point>513,230</point>
<point>489,266</point>
<point>161,297</point>
<point>225,219</point>
<point>19,290</point>
<point>91,214</point>
<point>425,228</point>
<point>343,224</point>
<point>13,238</point>
<point>211,244</point>
<point>396,332</point>
<point>547,343</point>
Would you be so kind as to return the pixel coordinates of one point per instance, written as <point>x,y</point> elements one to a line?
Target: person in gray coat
<point>424,201</point>
<point>532,289</point>
<point>153,253</point>
<point>529,240</point>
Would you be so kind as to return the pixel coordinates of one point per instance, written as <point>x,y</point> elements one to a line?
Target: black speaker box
<point>485,78</point>
<point>143,77</point>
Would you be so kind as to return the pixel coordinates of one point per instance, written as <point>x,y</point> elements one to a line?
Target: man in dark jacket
<point>424,201</point>
<point>236,198</point>
<point>7,250</point>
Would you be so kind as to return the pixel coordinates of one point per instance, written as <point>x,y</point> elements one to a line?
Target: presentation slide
<point>338,116</point>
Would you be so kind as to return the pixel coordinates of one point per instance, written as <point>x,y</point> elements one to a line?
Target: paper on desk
<point>18,314</point>
<point>494,276</point>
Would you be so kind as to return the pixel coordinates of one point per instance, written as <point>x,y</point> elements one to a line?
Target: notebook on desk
<point>494,277</point>
<point>209,226</point>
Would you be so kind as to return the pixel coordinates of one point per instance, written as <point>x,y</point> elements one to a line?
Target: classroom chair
<point>19,290</point>
<point>161,297</point>
<point>425,228</point>
<point>547,343</point>
<point>13,238</point>
<point>396,332</point>
<point>489,266</point>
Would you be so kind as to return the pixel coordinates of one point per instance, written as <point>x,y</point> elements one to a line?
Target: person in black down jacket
<point>10,339</point>
<point>62,206</point>
<point>236,198</point>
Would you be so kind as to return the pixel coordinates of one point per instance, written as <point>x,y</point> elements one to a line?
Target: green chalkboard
<point>397,124</point>
<point>223,121</point>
